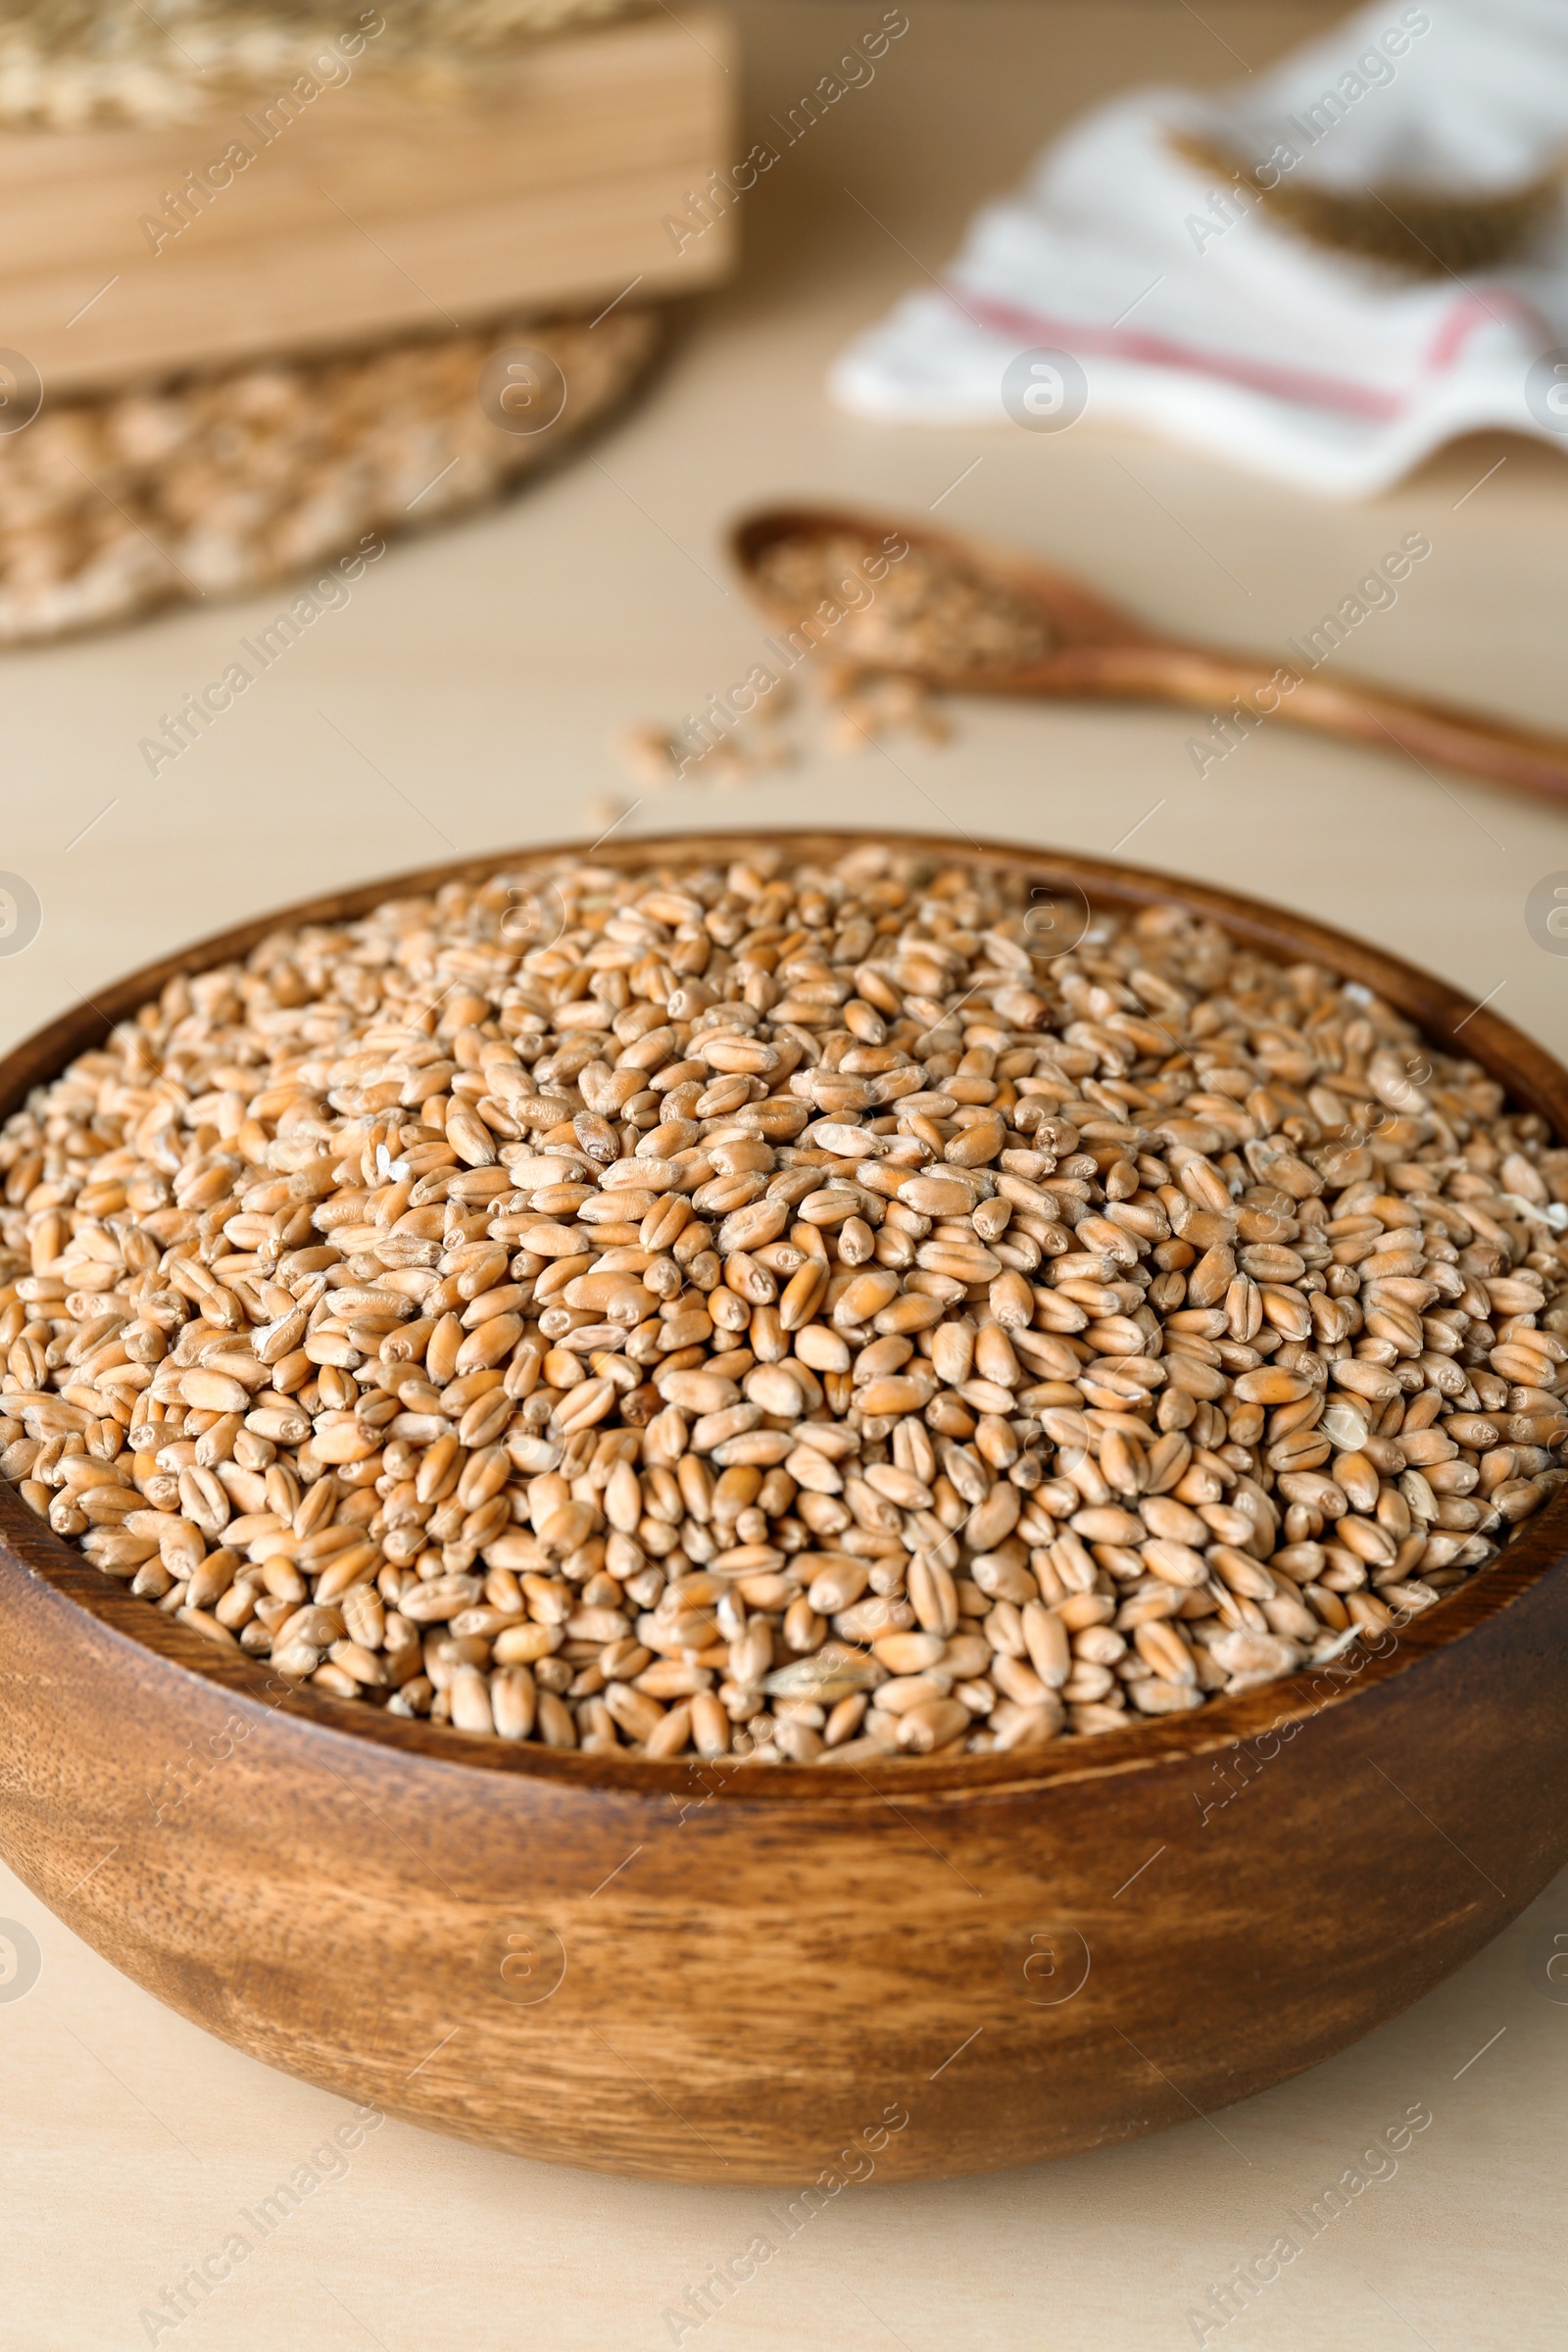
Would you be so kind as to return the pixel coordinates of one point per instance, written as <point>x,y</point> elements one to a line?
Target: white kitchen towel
<point>1131,283</point>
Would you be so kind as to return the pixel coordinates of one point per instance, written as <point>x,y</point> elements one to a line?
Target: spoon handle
<point>1242,693</point>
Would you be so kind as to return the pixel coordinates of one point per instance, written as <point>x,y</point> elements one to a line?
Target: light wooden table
<point>476,679</point>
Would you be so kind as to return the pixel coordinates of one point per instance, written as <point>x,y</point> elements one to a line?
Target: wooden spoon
<point>1096,650</point>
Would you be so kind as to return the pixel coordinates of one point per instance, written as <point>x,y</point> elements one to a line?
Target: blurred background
<point>467,372</point>
<point>472,688</point>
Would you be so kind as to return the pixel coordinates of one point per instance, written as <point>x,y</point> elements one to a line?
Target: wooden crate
<point>372,209</point>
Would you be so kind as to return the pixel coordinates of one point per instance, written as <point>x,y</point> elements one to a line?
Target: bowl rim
<point>1275,1710</point>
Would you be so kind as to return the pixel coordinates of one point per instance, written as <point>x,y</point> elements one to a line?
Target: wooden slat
<point>370,212</point>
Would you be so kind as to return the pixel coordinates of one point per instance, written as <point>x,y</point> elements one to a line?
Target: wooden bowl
<point>790,1976</point>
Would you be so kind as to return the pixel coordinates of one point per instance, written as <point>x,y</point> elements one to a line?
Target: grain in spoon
<point>964,615</point>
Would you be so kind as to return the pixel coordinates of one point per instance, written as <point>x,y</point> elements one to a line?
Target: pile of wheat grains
<point>772,1310</point>
<point>214,483</point>
<point>932,611</point>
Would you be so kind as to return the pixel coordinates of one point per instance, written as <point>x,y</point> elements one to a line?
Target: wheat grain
<point>222,480</point>
<point>66,63</point>
<point>930,612</point>
<point>763,1311</point>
